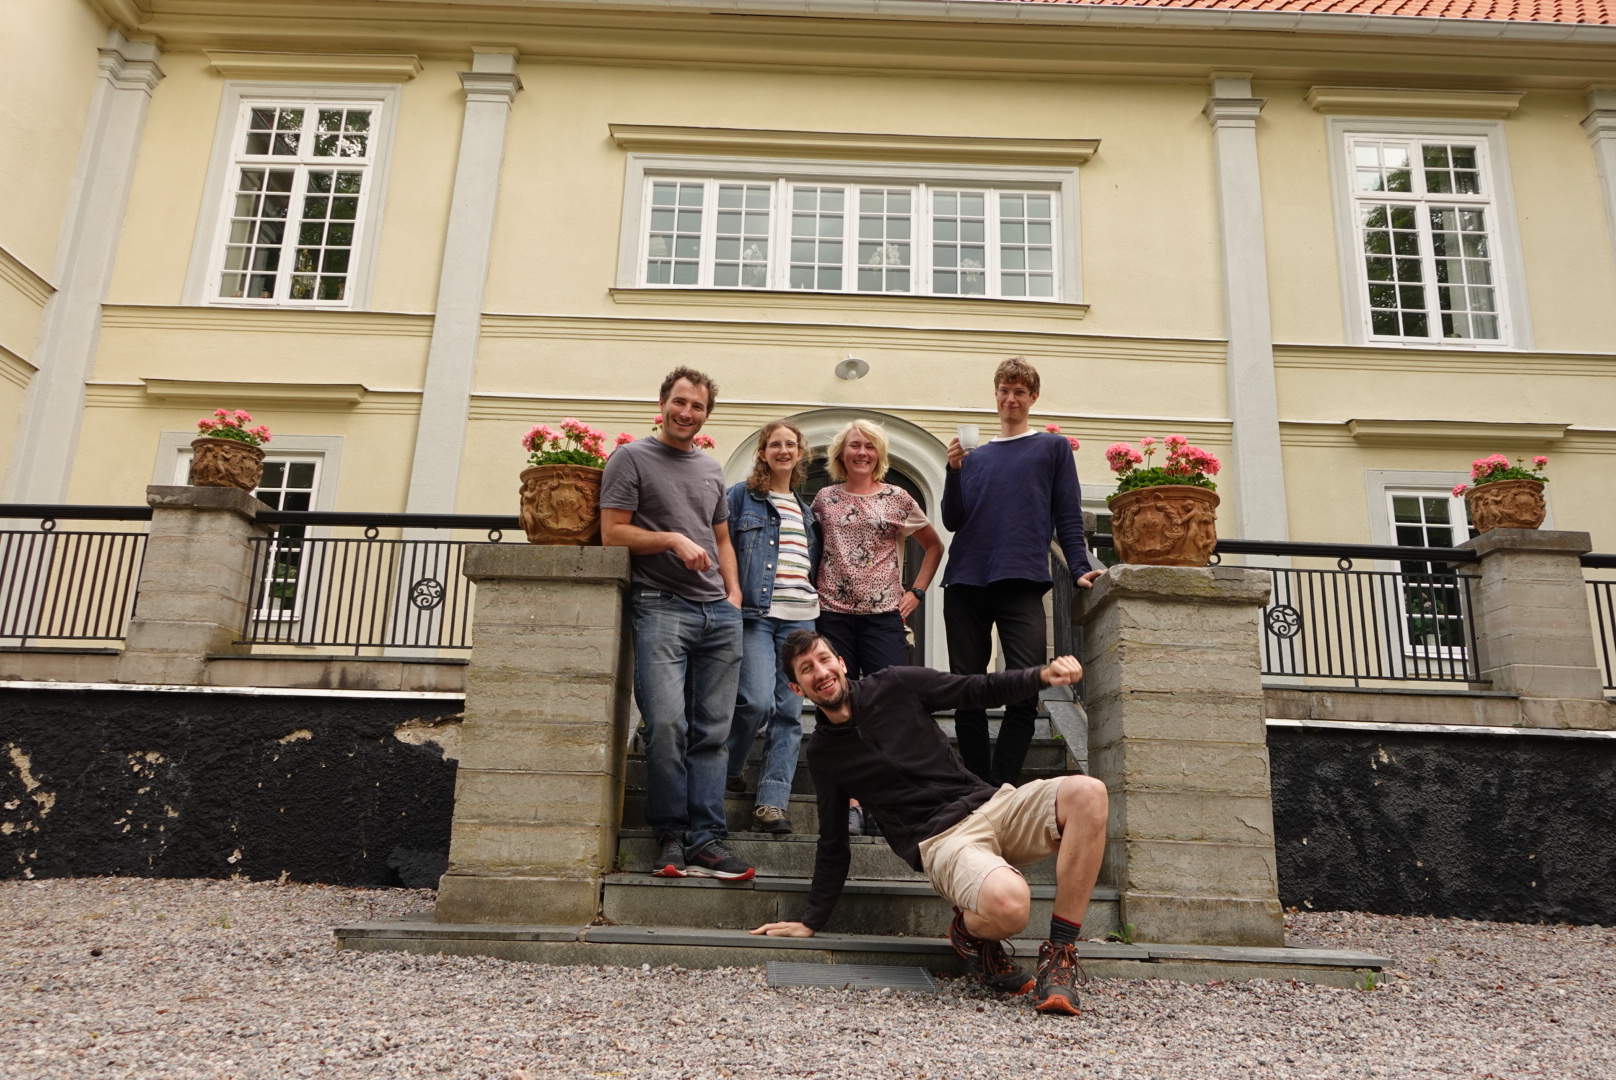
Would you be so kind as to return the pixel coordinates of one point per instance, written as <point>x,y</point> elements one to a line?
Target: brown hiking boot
<point>1059,973</point>
<point>987,960</point>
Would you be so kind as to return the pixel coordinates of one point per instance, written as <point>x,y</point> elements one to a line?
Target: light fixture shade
<point>852,368</point>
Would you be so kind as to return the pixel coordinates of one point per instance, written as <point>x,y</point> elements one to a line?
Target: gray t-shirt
<point>680,491</point>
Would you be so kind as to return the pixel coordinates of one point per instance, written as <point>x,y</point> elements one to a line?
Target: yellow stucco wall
<point>47,77</point>
<point>1145,359</point>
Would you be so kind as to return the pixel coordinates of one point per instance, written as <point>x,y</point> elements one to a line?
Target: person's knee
<point>1005,901</point>
<point>1083,801</point>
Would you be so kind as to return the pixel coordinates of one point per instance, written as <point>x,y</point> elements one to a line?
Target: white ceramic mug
<point>970,436</point>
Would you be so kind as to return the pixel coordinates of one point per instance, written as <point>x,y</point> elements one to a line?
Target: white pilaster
<point>1259,473</point>
<point>490,88</point>
<point>1600,124</point>
<point>42,457</point>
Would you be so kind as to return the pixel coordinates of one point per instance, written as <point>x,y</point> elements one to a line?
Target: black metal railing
<point>364,592</point>
<point>1411,624</point>
<point>67,586</point>
<point>1602,601</point>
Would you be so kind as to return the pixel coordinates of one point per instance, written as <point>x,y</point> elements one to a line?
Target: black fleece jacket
<point>893,758</point>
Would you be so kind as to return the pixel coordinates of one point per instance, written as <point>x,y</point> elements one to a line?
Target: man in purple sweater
<point>1003,502</point>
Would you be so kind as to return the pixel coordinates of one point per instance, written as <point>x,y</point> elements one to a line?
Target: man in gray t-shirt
<point>664,500</point>
<point>670,490</point>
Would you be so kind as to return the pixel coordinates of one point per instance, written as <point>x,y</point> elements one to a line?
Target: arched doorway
<point>917,463</point>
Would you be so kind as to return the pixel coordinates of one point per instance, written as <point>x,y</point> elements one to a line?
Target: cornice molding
<point>22,277</point>
<point>14,369</point>
<point>844,303</point>
<point>1509,362</point>
<point>1454,433</point>
<point>493,86</point>
<point>130,65</point>
<point>265,320</point>
<point>853,145</point>
<point>1233,112</point>
<point>201,391</point>
<point>355,67</point>
<point>1393,101</point>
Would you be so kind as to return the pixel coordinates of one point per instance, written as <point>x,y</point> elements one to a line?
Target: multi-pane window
<point>818,231</point>
<point>959,237</point>
<point>287,484</point>
<point>299,180</point>
<point>1425,222</point>
<point>907,239</point>
<point>1433,615</point>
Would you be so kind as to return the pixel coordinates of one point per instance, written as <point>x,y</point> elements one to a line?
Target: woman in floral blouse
<point>864,522</point>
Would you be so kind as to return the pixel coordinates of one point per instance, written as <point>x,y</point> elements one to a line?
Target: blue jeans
<point>766,703</point>
<point>687,662</point>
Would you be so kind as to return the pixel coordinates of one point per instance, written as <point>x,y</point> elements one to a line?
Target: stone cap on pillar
<point>1184,584</point>
<point>1543,541</point>
<point>228,499</point>
<point>544,562</point>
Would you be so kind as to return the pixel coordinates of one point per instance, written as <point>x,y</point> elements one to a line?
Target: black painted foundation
<point>319,789</point>
<point>149,784</point>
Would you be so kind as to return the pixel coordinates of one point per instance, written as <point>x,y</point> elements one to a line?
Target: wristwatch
<point>920,594</point>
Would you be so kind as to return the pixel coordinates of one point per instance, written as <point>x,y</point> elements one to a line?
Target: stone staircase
<point>888,913</point>
<point>883,895</point>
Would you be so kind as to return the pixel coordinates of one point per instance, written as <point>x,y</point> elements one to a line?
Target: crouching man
<point>876,742</point>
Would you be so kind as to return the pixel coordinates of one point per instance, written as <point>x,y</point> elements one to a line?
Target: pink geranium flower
<point>1076,446</point>
<point>1540,461</point>
<point>1459,490</point>
<point>704,442</point>
<point>623,439</point>
<point>1053,429</point>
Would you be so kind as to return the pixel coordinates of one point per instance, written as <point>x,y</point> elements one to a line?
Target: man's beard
<point>837,699</point>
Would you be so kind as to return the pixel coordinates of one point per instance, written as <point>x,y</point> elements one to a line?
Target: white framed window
<point>1005,232</point>
<point>1429,251</point>
<point>294,197</point>
<point>1430,595</point>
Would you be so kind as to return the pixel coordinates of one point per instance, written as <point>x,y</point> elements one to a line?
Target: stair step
<point>886,907</point>
<point>803,812</point>
<point>692,947</point>
<point>793,856</point>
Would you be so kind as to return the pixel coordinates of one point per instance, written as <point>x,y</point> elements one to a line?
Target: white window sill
<point>851,301</point>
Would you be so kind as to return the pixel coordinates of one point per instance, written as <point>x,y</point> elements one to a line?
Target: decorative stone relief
<point>1506,504</point>
<point>561,504</point>
<point>1166,525</point>
<point>226,463</point>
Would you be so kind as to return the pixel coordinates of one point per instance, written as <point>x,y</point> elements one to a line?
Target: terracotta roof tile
<point>1597,12</point>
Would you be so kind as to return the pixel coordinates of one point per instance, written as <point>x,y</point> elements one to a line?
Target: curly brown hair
<point>762,476</point>
<point>1017,370</point>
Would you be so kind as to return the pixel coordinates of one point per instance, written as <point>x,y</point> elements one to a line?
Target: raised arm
<point>940,690</point>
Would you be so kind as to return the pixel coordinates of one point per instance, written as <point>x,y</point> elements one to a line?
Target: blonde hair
<point>762,477</point>
<point>872,431</point>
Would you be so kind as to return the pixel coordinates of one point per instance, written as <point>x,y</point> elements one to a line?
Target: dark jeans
<point>969,614</point>
<point>867,642</point>
<point>687,665</point>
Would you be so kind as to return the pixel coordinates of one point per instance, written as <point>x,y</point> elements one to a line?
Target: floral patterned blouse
<point>863,541</point>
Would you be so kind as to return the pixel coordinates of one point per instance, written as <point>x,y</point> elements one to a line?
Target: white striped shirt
<point>794,596</point>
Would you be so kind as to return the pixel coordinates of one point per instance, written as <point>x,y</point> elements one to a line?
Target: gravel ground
<point>148,978</point>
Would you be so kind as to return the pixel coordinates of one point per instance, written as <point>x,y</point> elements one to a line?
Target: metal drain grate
<point>852,976</point>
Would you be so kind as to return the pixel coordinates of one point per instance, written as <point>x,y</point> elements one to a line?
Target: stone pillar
<point>1259,471</point>
<point>1534,634</point>
<point>490,86</point>
<point>1177,733</point>
<point>1600,124</point>
<point>195,584</point>
<point>539,796</point>
<point>48,433</point>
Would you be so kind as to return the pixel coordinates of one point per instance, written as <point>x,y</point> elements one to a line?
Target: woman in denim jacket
<point>776,543</point>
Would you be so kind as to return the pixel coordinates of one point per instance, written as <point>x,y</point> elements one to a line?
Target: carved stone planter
<point>226,463</point>
<point>1506,504</point>
<point>1165,525</point>
<point>561,504</point>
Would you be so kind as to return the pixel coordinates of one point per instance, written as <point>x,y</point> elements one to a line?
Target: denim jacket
<point>754,530</point>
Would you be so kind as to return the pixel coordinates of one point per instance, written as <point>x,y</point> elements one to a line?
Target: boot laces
<point>1061,965</point>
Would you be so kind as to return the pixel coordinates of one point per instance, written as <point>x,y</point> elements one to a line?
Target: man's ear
<point>795,689</point>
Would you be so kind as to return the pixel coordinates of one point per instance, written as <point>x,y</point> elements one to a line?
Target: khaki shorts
<point>1015,828</point>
